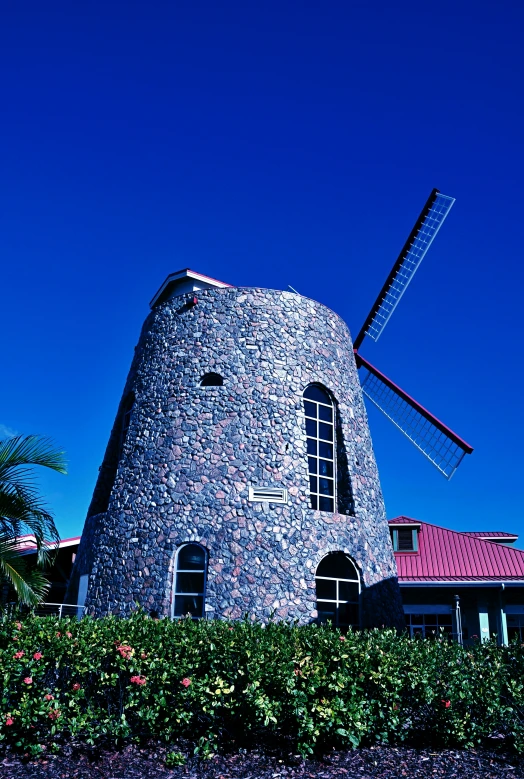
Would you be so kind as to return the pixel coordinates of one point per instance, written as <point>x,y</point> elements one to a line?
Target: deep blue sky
<point>267,144</point>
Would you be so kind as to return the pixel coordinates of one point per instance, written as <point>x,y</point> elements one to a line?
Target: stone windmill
<point>239,477</point>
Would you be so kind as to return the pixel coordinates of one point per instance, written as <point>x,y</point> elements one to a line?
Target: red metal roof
<point>446,555</point>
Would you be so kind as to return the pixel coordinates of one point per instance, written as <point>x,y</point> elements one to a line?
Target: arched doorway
<point>338,591</point>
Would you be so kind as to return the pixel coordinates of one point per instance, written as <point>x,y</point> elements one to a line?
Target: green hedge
<point>214,682</point>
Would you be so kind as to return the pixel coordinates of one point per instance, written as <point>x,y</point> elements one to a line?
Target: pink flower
<point>18,655</point>
<point>77,686</point>
<point>342,638</point>
<point>18,625</point>
<point>49,697</point>
<point>446,704</point>
<point>186,682</point>
<point>58,635</point>
<point>28,680</point>
<point>143,655</point>
<point>54,714</point>
<point>9,721</point>
<point>138,679</point>
<point>69,635</point>
<point>37,656</point>
<point>125,651</point>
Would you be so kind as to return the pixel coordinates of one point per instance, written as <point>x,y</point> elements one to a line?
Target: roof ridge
<point>407,519</point>
<point>458,532</point>
<point>484,532</point>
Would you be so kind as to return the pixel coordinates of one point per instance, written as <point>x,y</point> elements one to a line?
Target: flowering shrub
<point>214,681</point>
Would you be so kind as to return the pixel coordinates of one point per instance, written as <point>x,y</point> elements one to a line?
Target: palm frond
<point>18,504</point>
<point>21,509</point>
<point>22,512</point>
<point>30,586</point>
<point>22,451</point>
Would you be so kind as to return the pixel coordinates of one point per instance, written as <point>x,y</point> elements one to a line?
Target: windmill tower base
<point>188,462</point>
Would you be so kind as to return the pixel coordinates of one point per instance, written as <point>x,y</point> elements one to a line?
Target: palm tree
<point>23,512</point>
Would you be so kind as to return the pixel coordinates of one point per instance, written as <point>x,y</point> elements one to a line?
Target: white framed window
<point>429,621</point>
<point>320,436</point>
<point>190,581</point>
<point>337,584</point>
<point>515,622</point>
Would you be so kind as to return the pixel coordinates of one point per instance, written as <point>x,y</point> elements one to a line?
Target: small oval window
<point>211,380</point>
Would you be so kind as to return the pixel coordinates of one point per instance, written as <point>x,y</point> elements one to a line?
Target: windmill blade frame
<point>444,448</point>
<point>413,252</point>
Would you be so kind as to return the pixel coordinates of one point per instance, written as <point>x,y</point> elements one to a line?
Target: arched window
<point>338,589</point>
<point>211,380</point>
<point>126,418</point>
<point>190,581</point>
<point>320,433</point>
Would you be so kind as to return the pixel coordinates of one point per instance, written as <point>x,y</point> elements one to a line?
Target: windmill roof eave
<point>177,277</point>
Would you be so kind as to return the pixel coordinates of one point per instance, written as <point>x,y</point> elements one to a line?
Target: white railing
<point>59,610</point>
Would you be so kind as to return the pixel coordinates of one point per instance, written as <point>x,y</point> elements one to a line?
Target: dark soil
<point>377,762</point>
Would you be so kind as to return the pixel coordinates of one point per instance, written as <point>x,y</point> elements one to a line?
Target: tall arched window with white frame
<point>320,434</point>
<point>190,581</point>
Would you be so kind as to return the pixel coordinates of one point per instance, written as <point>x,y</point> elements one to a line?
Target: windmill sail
<point>436,441</point>
<point>413,252</point>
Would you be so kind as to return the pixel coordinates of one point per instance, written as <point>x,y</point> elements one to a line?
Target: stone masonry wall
<point>191,452</point>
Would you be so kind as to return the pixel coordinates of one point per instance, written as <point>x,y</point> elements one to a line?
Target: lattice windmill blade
<point>437,442</point>
<point>413,252</point>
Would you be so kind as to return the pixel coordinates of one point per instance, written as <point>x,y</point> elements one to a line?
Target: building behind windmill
<point>239,477</point>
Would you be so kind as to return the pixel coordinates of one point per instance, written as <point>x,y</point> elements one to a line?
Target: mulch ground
<point>376,762</point>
